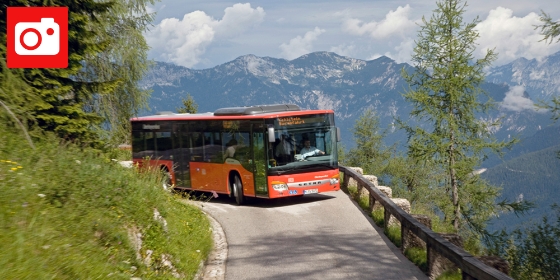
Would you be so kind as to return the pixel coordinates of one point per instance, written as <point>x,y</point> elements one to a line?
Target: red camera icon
<point>37,37</point>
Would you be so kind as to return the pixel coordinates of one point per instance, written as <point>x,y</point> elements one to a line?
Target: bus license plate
<point>310,191</point>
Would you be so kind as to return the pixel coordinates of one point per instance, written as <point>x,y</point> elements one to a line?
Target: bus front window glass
<point>285,154</point>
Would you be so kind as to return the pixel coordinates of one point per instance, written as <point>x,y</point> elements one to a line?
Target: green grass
<point>418,256</point>
<point>394,234</point>
<point>451,275</point>
<point>378,217</point>
<point>67,213</point>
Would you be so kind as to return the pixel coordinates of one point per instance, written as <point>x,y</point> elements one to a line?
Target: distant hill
<point>544,138</point>
<point>533,176</point>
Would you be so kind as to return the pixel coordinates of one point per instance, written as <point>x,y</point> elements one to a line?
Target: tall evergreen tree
<point>122,61</point>
<point>370,153</point>
<point>189,106</point>
<point>444,90</point>
<point>105,61</point>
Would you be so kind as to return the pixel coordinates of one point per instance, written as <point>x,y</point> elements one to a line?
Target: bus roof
<point>253,112</point>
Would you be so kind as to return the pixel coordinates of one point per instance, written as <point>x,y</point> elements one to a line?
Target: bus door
<point>259,159</point>
<point>206,157</point>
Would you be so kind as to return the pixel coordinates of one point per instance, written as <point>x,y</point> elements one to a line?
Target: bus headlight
<point>279,186</point>
<point>334,179</point>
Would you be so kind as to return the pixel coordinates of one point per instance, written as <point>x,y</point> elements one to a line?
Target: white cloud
<point>184,41</point>
<point>515,101</point>
<point>299,46</point>
<point>238,18</point>
<point>344,49</point>
<point>403,51</point>
<point>395,23</point>
<point>511,36</point>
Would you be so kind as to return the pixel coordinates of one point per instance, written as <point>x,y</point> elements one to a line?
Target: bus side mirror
<point>271,137</point>
<point>338,137</point>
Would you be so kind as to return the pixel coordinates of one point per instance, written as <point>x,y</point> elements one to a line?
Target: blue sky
<point>203,34</point>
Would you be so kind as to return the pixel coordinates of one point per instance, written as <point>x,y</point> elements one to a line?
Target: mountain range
<point>325,80</point>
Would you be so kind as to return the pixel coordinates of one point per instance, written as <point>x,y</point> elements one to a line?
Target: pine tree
<point>123,61</point>
<point>549,29</point>
<point>189,106</point>
<point>370,153</point>
<point>107,56</point>
<point>444,90</point>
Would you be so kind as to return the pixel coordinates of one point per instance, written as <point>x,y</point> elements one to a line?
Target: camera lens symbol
<point>37,33</point>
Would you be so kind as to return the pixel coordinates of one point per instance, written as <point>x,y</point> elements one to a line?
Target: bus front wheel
<point>238,190</point>
<point>166,179</point>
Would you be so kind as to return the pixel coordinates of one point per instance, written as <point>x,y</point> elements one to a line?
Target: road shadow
<point>255,201</point>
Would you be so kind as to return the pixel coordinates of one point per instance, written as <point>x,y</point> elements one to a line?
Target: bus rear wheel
<point>238,190</point>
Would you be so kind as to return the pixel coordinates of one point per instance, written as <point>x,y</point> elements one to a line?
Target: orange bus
<point>242,151</point>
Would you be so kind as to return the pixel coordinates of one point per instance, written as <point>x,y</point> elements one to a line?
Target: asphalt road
<point>320,236</point>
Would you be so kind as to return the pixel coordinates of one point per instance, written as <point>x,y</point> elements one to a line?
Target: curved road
<point>320,236</point>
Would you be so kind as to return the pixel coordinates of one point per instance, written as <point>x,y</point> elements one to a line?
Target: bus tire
<point>238,190</point>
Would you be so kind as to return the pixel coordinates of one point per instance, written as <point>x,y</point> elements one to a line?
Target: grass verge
<point>418,256</point>
<point>68,213</point>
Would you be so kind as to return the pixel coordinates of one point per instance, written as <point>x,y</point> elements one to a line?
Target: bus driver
<point>309,150</point>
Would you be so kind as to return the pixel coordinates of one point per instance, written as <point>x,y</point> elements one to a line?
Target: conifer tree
<point>444,89</point>
<point>189,106</point>
<point>107,57</point>
<point>370,153</point>
<point>122,62</point>
<point>550,29</point>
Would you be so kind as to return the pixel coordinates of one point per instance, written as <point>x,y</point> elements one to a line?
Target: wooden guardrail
<point>471,267</point>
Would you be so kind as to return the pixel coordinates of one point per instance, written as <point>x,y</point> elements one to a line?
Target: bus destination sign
<point>290,121</point>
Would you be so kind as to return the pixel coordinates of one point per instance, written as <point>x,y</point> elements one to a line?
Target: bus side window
<point>164,145</point>
<point>212,147</point>
<point>195,146</point>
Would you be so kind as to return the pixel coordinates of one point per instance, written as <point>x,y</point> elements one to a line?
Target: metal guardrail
<point>471,267</point>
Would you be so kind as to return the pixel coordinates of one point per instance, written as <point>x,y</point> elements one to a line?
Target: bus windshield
<point>302,144</point>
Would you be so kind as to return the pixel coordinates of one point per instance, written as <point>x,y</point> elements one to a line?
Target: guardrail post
<point>409,239</point>
<point>360,188</point>
<point>351,181</point>
<point>344,185</point>
<point>366,192</point>
<point>387,191</point>
<point>404,204</point>
<point>437,264</point>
